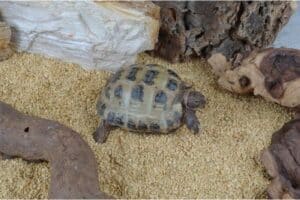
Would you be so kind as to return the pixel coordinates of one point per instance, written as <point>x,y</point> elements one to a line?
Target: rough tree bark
<point>72,163</point>
<point>230,28</point>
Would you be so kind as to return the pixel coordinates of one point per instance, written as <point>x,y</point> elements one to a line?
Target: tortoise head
<point>193,100</point>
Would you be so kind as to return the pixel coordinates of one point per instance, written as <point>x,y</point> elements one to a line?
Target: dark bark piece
<point>172,40</point>
<point>72,164</point>
<point>282,161</point>
<point>203,28</point>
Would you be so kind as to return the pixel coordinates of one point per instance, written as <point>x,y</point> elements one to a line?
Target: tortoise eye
<point>244,81</point>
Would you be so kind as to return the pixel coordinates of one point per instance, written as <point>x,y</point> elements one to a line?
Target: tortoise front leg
<point>192,121</point>
<point>102,132</point>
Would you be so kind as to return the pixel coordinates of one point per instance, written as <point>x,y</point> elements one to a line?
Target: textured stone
<point>96,35</point>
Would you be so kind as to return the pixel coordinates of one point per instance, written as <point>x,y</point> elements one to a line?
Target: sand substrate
<point>222,162</point>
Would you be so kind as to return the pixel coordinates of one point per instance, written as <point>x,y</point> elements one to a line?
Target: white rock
<point>96,35</point>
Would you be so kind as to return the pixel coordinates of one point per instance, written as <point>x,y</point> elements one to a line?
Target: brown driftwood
<point>272,73</point>
<point>203,28</point>
<point>5,36</point>
<point>72,164</point>
<point>282,162</point>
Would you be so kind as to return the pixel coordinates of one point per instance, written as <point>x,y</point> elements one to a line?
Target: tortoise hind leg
<point>192,121</point>
<point>102,132</point>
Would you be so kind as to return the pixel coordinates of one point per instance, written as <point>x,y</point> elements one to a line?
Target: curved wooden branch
<point>72,163</point>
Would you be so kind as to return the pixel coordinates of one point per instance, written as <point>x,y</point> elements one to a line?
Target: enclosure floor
<point>221,162</point>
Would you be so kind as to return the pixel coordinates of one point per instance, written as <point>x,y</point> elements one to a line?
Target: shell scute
<point>137,92</point>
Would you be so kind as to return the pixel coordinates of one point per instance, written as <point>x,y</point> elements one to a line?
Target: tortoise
<point>147,98</point>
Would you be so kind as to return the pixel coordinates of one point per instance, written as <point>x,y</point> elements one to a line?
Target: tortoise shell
<point>143,98</point>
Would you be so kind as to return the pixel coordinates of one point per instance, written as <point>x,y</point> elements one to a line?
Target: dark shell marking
<point>172,84</point>
<point>131,124</point>
<point>132,74</point>
<point>150,76</point>
<point>115,119</point>
<point>118,91</point>
<point>137,93</point>
<point>161,97</point>
<point>142,126</point>
<point>119,121</point>
<point>154,127</point>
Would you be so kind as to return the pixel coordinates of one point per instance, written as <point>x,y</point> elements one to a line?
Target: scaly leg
<point>102,132</point>
<point>192,121</point>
